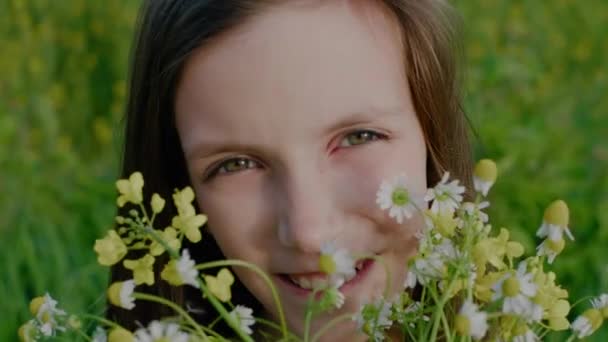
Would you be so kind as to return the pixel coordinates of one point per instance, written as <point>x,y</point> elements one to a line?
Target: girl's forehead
<point>308,65</point>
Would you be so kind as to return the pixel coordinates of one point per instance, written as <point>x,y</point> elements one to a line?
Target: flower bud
<point>157,203</point>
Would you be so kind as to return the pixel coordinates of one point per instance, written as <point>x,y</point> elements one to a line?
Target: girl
<point>284,117</point>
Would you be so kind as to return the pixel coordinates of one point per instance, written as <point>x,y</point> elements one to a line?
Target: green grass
<point>536,88</point>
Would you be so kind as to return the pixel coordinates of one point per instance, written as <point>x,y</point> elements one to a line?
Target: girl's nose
<point>306,217</point>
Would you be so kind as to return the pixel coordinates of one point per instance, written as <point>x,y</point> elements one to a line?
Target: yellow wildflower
<point>130,189</point>
<point>142,269</point>
<point>157,203</point>
<point>169,236</point>
<point>556,314</point>
<point>190,226</point>
<point>111,249</point>
<point>187,221</point>
<point>443,221</point>
<point>183,201</point>
<point>483,285</point>
<point>220,286</point>
<point>493,250</point>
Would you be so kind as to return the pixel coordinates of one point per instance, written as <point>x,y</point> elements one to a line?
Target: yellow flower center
<point>557,213</point>
<point>605,311</point>
<point>400,197</point>
<point>595,318</point>
<point>327,264</point>
<point>511,287</point>
<point>486,170</point>
<point>462,325</point>
<point>556,246</point>
<point>35,305</point>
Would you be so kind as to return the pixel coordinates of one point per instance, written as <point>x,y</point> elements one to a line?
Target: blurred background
<point>536,92</point>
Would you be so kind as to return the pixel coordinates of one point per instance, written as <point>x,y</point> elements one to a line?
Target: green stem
<point>101,320</point>
<point>273,325</point>
<point>151,231</point>
<point>177,308</point>
<point>580,301</point>
<point>256,269</point>
<point>309,314</point>
<point>83,335</point>
<point>307,325</point>
<point>439,310</point>
<point>329,325</point>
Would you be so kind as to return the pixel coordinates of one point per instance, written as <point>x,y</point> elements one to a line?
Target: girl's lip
<point>365,269</point>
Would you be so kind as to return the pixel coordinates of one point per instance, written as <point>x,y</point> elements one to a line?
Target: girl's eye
<point>233,165</point>
<point>360,137</point>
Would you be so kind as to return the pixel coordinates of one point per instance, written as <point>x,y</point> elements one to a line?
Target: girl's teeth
<point>359,265</point>
<point>317,282</point>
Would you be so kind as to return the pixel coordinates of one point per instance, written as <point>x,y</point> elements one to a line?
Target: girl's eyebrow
<point>204,148</point>
<point>368,115</point>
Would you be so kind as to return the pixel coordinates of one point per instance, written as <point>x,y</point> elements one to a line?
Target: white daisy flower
<point>331,298</point>
<point>550,248</point>
<point>373,319</point>
<point>601,302</point>
<point>473,209</point>
<point>484,176</point>
<point>445,196</point>
<point>337,263</point>
<point>395,196</point>
<point>582,327</point>
<point>517,290</point>
<point>410,280</point>
<point>99,335</point>
<point>186,267</point>
<point>447,250</point>
<point>470,321</point>
<point>528,336</point>
<point>587,323</point>
<point>430,267</point>
<point>159,331</point>
<point>244,317</point>
<point>46,312</point>
<point>121,294</point>
<point>555,222</point>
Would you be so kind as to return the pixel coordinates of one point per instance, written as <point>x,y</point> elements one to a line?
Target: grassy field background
<point>536,92</point>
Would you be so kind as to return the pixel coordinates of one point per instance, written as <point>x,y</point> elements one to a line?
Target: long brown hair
<point>168,31</point>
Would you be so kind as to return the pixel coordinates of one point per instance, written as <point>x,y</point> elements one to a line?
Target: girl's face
<point>289,124</point>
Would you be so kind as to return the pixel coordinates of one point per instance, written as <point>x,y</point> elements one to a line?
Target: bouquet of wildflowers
<point>467,282</point>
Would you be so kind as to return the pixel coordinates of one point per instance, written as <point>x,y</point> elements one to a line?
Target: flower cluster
<point>466,281</point>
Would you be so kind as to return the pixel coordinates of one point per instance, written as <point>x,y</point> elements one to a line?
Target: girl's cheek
<point>235,207</point>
